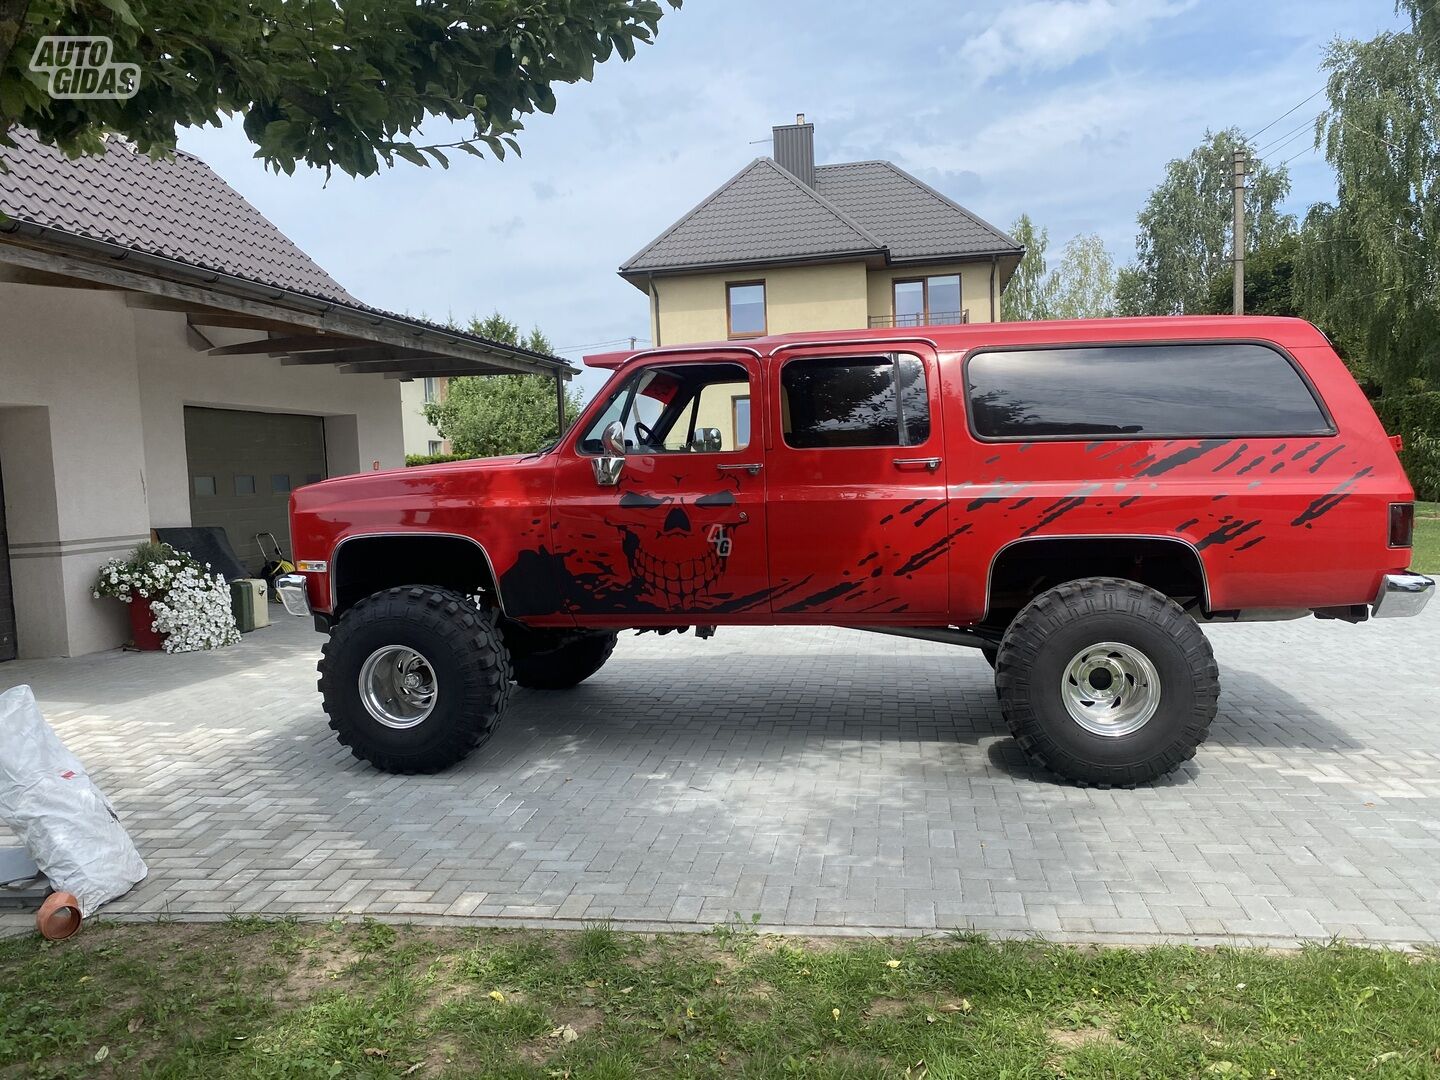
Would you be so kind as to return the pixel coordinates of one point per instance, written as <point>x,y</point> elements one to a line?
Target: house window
<point>204,485</point>
<point>928,301</point>
<point>436,447</point>
<point>745,309</point>
<point>432,391</point>
<point>244,484</point>
<point>279,483</point>
<point>741,420</point>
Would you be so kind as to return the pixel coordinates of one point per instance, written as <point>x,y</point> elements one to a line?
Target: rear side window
<point>855,401</point>
<point>1203,389</point>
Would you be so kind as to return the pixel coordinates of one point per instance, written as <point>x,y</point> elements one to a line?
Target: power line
<point>1302,153</point>
<point>1288,135</point>
<point>1282,116</point>
<point>1283,147</point>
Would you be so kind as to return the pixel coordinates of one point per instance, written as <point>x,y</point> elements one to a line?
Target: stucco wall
<point>92,441</point>
<point>828,297</point>
<point>974,287</point>
<point>418,431</point>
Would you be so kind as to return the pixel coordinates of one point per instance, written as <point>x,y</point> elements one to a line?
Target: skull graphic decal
<point>676,560</point>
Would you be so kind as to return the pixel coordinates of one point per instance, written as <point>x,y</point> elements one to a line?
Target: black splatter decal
<point>1301,453</point>
<point>1182,457</point>
<point>1254,462</point>
<point>1187,524</point>
<point>928,514</point>
<point>1234,457</point>
<point>1323,505</point>
<point>1248,544</point>
<point>1055,511</point>
<point>1227,532</point>
<point>926,555</point>
<point>1315,466</point>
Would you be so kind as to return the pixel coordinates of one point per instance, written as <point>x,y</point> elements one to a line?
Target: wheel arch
<point>1169,564</point>
<point>367,563</point>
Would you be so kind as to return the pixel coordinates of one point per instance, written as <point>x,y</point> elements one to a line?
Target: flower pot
<point>145,639</point>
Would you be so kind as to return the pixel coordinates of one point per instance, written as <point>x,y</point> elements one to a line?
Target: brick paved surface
<point>821,778</point>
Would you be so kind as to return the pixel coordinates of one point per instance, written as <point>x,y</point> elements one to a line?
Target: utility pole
<point>1238,242</point>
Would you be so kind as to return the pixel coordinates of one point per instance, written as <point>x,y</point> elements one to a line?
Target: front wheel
<point>414,679</point>
<point>1107,682</point>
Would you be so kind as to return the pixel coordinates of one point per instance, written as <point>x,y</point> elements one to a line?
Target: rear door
<point>859,522</point>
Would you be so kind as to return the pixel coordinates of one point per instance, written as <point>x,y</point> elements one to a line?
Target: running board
<point>945,635</point>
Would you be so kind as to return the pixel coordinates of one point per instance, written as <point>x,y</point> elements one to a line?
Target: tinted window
<point>1180,390</point>
<point>852,401</point>
<point>686,408</point>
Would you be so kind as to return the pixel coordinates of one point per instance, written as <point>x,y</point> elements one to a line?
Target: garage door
<point>7,597</point>
<point>242,467</point>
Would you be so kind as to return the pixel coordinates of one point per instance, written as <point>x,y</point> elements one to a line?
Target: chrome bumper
<point>291,590</point>
<point>1402,595</point>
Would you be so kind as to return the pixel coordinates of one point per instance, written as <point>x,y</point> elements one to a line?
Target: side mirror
<point>613,439</point>
<point>608,468</point>
<point>709,439</point>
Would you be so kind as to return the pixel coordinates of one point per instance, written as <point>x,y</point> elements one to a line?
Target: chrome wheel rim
<point>1110,689</point>
<point>397,686</point>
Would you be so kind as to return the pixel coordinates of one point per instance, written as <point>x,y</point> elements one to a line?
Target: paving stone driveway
<point>824,779</point>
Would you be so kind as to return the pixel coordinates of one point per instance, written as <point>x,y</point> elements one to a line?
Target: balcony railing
<point>933,318</point>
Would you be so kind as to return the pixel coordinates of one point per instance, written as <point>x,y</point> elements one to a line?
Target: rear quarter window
<point>1127,391</point>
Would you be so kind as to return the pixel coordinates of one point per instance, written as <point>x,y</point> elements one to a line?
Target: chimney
<point>794,149</point>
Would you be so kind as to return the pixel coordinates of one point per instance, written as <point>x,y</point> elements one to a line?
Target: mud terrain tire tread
<point>565,667</point>
<point>1124,611</point>
<point>473,673</point>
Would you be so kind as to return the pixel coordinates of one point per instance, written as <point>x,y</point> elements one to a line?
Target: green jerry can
<point>248,600</point>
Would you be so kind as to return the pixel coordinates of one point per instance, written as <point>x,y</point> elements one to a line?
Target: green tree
<point>343,85</point>
<point>1368,265</point>
<point>489,415</point>
<point>1082,285</point>
<point>1185,225</point>
<point>1024,298</point>
<point>1269,282</point>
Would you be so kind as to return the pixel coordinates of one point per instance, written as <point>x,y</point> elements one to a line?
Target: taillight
<point>1402,524</point>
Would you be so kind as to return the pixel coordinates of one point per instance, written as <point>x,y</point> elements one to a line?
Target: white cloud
<point>1048,35</point>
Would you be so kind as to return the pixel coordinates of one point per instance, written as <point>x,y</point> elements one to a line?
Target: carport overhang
<point>297,328</point>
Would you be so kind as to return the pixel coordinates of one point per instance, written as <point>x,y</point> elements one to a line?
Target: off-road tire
<point>472,677</point>
<point>1057,625</point>
<point>556,660</point>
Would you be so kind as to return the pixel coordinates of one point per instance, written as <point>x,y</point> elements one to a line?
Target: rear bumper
<point>291,588</point>
<point>1402,595</point>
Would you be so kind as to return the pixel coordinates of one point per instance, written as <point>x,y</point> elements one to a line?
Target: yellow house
<point>788,245</point>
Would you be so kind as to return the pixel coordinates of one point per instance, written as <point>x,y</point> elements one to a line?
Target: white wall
<point>92,441</point>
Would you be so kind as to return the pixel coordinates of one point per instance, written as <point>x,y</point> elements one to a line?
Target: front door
<point>682,533</point>
<point>859,522</point>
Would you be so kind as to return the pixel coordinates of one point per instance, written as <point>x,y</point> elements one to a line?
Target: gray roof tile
<point>914,219</point>
<point>177,208</point>
<point>762,213</point>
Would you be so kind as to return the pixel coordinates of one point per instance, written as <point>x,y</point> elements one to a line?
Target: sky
<point>1064,109</point>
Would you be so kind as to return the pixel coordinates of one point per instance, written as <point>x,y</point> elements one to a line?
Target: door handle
<point>930,463</point>
<point>752,468</point>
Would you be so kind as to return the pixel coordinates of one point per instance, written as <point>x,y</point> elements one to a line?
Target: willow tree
<point>1368,265</point>
<point>1186,222</point>
<point>1025,297</point>
<point>341,84</point>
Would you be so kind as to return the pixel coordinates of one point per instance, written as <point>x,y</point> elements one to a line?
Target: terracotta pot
<point>146,639</point>
<point>58,917</point>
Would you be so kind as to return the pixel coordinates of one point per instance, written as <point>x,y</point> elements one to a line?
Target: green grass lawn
<point>251,998</point>
<point>1427,538</point>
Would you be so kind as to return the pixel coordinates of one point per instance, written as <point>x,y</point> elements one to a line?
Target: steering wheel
<point>642,433</point>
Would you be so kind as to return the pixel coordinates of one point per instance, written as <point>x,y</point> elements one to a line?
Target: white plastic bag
<point>66,824</point>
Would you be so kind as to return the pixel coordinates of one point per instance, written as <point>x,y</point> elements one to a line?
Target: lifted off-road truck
<point>1075,500</point>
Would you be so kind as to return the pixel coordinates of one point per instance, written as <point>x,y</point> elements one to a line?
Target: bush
<point>1416,419</point>
<point>412,460</point>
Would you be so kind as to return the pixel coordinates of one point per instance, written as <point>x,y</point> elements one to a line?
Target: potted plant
<point>175,603</point>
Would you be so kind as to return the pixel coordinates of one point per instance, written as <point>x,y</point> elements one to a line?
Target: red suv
<point>1073,499</point>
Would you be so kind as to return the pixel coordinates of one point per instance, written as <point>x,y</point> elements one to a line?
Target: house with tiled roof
<point>786,245</point>
<point>170,359</point>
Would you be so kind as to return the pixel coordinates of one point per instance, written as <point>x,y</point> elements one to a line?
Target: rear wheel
<point>557,659</point>
<point>414,679</point>
<point>1107,682</point>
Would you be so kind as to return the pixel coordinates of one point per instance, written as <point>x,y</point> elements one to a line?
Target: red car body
<point>887,536</point>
